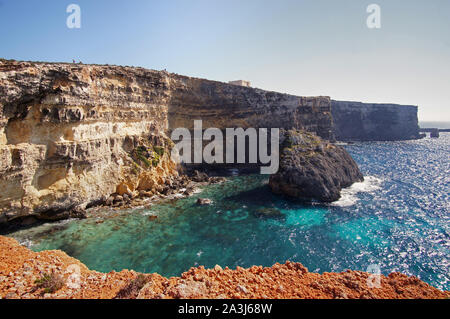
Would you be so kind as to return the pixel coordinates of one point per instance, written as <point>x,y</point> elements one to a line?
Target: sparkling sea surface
<point>397,219</point>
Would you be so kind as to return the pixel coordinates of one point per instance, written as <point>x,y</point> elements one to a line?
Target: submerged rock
<point>313,169</point>
<point>267,212</point>
<point>204,201</point>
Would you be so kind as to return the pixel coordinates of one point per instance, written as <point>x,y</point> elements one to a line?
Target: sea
<point>397,220</point>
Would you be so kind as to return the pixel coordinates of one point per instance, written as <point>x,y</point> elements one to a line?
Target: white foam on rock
<point>348,195</point>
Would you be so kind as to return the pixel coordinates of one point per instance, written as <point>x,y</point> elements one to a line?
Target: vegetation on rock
<point>131,291</point>
<point>50,282</point>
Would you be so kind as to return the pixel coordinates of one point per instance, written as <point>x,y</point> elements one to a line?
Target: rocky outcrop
<point>313,169</point>
<point>71,134</point>
<point>21,267</point>
<point>355,121</point>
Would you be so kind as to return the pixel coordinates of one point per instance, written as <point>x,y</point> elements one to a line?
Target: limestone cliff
<point>374,122</point>
<point>72,134</point>
<point>68,133</point>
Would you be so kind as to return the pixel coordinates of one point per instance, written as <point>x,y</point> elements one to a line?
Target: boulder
<point>313,169</point>
<point>199,177</point>
<point>109,201</point>
<point>78,212</point>
<point>123,189</point>
<point>118,198</point>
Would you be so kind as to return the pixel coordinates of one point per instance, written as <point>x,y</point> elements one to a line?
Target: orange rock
<point>20,267</point>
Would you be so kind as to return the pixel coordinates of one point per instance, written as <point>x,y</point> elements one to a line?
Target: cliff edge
<point>22,272</point>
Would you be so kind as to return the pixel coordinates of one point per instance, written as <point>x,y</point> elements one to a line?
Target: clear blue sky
<point>310,47</point>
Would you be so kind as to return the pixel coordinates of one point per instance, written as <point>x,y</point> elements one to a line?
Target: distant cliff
<point>223,105</point>
<point>72,134</point>
<point>374,122</point>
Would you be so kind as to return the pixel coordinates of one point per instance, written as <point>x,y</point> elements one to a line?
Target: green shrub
<point>142,155</point>
<point>51,283</point>
<point>131,291</point>
<point>155,160</point>
<point>145,160</point>
<point>159,150</point>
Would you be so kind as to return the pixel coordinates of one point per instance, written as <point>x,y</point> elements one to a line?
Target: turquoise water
<point>398,218</point>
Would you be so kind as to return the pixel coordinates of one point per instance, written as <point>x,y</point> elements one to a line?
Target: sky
<point>301,47</point>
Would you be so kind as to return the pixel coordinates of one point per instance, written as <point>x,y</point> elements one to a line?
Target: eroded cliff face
<point>72,134</point>
<point>68,133</point>
<point>374,122</point>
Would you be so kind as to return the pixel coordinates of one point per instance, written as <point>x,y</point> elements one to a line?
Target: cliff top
<point>359,104</point>
<point>138,68</point>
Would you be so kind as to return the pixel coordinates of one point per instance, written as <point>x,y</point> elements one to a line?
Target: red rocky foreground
<point>53,274</point>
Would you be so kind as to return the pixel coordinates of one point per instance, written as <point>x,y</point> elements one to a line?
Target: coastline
<point>21,267</point>
<point>121,160</point>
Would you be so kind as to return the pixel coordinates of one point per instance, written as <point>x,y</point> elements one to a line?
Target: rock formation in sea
<point>53,274</point>
<point>356,121</point>
<point>311,168</point>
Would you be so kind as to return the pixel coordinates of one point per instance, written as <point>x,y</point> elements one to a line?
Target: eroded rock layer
<point>72,134</point>
<point>22,270</point>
